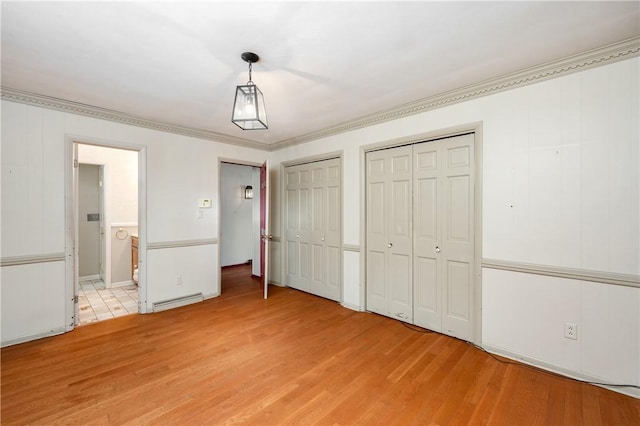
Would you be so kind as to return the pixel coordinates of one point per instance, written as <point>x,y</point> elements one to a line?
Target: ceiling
<point>322,64</point>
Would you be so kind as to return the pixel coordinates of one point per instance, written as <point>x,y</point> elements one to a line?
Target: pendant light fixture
<point>248,107</point>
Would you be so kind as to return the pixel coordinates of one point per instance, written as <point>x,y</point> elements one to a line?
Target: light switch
<point>204,203</point>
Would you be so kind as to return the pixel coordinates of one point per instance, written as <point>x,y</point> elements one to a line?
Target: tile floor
<point>98,303</point>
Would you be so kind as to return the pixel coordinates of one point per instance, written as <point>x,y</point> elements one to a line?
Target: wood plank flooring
<point>291,359</point>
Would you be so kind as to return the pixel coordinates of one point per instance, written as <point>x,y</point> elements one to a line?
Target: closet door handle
<point>437,249</point>
<point>297,235</point>
<point>390,245</point>
<point>322,238</point>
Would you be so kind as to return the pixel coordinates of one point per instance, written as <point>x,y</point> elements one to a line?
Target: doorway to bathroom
<point>106,186</point>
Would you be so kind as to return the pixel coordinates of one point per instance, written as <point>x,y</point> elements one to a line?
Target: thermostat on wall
<point>204,203</point>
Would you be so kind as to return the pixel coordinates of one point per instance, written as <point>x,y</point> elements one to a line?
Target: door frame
<point>283,206</point>
<point>71,271</point>
<point>256,192</point>
<point>474,127</point>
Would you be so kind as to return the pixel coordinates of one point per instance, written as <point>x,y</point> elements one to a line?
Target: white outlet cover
<point>571,331</point>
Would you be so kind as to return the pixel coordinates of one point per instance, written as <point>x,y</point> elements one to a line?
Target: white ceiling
<point>322,63</point>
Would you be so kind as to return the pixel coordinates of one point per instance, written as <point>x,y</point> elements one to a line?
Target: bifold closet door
<point>389,233</point>
<point>313,228</point>
<point>297,227</point>
<point>326,264</point>
<point>444,235</point>
<point>420,234</point>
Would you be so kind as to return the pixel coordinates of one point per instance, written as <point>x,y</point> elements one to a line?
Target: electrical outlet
<point>570,331</point>
<point>179,280</point>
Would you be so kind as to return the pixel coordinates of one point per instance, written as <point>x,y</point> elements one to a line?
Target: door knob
<point>390,245</point>
<point>297,235</point>
<point>437,249</point>
<point>322,238</point>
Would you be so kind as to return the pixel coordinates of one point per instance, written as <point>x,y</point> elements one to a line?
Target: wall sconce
<point>248,192</point>
<point>248,107</point>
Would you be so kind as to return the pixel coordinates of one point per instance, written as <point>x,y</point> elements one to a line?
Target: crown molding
<point>24,97</point>
<point>593,58</point>
<point>590,59</point>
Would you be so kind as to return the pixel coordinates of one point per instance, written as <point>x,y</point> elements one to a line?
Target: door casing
<point>71,230</point>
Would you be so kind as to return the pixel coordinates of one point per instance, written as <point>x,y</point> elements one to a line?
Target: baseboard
<point>352,307</point>
<point>210,295</point>
<point>89,277</point>
<point>23,339</point>
<point>121,284</point>
<point>633,392</point>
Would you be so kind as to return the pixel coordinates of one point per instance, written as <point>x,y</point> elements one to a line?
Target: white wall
<point>236,214</point>
<point>560,188</point>
<point>179,171</point>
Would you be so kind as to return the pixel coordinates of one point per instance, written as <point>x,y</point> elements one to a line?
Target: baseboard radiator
<point>177,302</point>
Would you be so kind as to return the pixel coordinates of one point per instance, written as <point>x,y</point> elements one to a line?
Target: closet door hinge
<point>75,163</point>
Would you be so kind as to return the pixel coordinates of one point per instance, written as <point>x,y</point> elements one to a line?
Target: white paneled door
<point>389,233</point>
<point>313,228</point>
<point>420,234</point>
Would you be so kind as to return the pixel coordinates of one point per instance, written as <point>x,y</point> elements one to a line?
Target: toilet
<point>135,276</point>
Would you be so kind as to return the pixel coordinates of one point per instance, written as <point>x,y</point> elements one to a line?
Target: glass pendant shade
<point>248,109</point>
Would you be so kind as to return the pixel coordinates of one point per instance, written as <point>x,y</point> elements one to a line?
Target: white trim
<point>335,155</point>
<point>124,225</point>
<point>181,243</point>
<point>239,162</point>
<point>352,307</point>
<point>121,284</point>
<point>602,277</point>
<point>89,277</point>
<point>211,295</point>
<point>614,52</point>
<point>31,259</point>
<point>560,370</point>
<point>23,339</point>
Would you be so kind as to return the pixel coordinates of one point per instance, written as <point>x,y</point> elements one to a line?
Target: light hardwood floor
<point>291,359</point>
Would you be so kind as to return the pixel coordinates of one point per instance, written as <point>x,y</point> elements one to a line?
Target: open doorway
<point>239,223</point>
<point>106,223</point>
